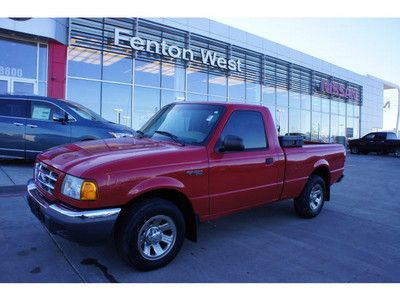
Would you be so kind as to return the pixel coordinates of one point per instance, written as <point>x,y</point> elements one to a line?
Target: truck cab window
<point>247,125</point>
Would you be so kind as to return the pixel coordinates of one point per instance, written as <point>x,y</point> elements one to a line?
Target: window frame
<point>70,118</point>
<point>245,150</point>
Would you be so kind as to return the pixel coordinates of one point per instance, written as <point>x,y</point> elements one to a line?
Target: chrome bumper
<point>78,225</point>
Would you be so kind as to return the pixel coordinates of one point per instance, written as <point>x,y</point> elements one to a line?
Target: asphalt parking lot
<point>356,238</point>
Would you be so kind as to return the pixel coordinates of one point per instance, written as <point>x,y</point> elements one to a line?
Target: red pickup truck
<point>190,162</point>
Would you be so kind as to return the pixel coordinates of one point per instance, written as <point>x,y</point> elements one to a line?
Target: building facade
<point>127,69</point>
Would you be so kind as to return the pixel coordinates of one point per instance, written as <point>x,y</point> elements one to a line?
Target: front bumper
<point>84,226</point>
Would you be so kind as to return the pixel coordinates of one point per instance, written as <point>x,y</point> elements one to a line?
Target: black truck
<point>379,142</point>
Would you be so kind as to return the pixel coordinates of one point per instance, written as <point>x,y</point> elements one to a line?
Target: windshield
<point>186,123</point>
<point>83,111</point>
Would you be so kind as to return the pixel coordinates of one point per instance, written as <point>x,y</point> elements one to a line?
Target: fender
<point>156,183</point>
<point>321,163</point>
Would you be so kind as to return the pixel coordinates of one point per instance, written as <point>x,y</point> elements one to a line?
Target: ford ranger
<point>191,162</point>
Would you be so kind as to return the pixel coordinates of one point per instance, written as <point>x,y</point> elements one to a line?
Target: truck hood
<point>79,157</point>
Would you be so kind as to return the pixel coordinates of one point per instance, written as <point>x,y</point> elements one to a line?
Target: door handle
<point>32,126</point>
<point>18,124</point>
<point>269,161</point>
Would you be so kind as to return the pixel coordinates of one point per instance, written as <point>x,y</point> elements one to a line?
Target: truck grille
<point>45,178</point>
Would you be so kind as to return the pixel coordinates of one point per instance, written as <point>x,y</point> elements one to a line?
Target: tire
<point>397,152</point>
<point>150,234</point>
<point>354,150</point>
<point>311,200</point>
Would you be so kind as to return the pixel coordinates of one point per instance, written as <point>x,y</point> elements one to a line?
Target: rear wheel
<point>311,200</point>
<point>150,234</point>
<point>354,150</point>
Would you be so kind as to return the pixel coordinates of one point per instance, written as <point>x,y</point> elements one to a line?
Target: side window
<point>380,136</point>
<point>13,108</point>
<point>44,111</point>
<point>370,136</point>
<point>391,136</point>
<point>247,125</point>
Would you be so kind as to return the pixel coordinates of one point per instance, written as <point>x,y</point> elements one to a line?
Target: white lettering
<point>185,52</point>
<point>221,62</point>
<point>232,65</point>
<point>137,43</point>
<point>118,37</point>
<point>175,49</point>
<point>155,45</point>
<point>207,57</point>
<point>163,47</point>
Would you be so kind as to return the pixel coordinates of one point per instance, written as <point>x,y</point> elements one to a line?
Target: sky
<point>362,45</point>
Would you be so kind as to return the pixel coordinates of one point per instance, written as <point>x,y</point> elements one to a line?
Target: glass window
<point>316,103</point>
<point>316,126</point>
<point>190,124</point>
<point>282,97</point>
<point>42,89</point>
<point>253,92</point>
<point>117,67</point>
<point>196,97</point>
<point>85,63</point>
<point>236,88</point>
<point>334,107</point>
<point>342,108</point>
<point>217,85</point>
<point>342,126</point>
<point>44,111</point>
<point>356,111</point>
<point>334,126</point>
<point>350,110</point>
<point>17,58</point>
<point>196,81</point>
<point>350,127</point>
<point>282,120</point>
<point>238,124</point>
<point>173,77</point>
<point>168,96</point>
<point>146,104</point>
<point>23,88</point>
<point>294,120</point>
<point>305,101</point>
<point>324,128</point>
<point>82,111</point>
<point>294,100</point>
<point>391,136</point>
<point>216,99</point>
<point>3,86</point>
<point>306,122</point>
<point>147,73</point>
<point>268,96</point>
<point>13,108</point>
<point>325,105</point>
<point>85,92</point>
<point>356,127</point>
<point>43,62</point>
<point>116,103</point>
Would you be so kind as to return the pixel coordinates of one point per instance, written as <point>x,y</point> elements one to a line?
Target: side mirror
<point>231,143</point>
<point>60,118</point>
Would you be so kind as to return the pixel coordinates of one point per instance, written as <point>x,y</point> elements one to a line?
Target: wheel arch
<point>323,172</point>
<point>177,198</point>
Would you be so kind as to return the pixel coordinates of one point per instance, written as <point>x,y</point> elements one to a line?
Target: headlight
<point>78,188</point>
<point>35,171</point>
<point>120,134</point>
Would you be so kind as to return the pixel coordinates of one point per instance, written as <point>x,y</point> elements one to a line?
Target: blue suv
<point>31,124</point>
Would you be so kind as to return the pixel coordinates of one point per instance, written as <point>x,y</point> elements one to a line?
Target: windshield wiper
<point>170,135</point>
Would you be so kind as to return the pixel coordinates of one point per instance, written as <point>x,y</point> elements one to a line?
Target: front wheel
<point>150,234</point>
<point>311,200</point>
<point>354,150</point>
<point>397,152</point>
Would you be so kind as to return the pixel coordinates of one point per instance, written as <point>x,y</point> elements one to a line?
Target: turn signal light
<point>88,191</point>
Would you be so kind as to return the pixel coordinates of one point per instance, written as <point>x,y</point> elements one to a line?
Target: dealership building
<point>127,69</point>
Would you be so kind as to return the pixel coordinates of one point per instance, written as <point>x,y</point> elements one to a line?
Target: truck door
<point>45,128</point>
<point>13,114</point>
<point>245,178</point>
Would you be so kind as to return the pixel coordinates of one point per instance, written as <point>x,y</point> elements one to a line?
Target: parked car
<point>31,124</point>
<point>379,142</point>
<point>192,162</point>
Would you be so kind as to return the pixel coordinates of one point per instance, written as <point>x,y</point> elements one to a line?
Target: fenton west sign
<point>207,57</point>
